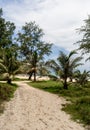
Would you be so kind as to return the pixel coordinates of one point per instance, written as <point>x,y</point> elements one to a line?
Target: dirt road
<point>33,109</point>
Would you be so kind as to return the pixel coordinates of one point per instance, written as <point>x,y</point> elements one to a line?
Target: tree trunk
<point>9,81</point>
<point>34,76</point>
<point>71,80</point>
<point>65,84</point>
<point>30,75</point>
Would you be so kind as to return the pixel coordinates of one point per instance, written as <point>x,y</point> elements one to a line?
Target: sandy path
<point>33,109</point>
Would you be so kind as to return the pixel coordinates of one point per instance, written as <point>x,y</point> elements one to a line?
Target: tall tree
<point>2,27</point>
<point>33,48</point>
<point>65,65</point>
<point>8,49</point>
<point>6,32</point>
<point>84,43</point>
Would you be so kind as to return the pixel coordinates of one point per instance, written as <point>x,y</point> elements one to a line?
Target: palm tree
<point>29,68</point>
<point>9,64</point>
<point>82,78</point>
<point>65,66</point>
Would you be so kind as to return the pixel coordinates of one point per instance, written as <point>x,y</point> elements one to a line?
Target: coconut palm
<point>9,64</point>
<point>82,78</point>
<point>65,66</point>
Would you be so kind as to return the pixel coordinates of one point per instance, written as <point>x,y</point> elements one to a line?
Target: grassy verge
<point>6,92</point>
<point>50,86</point>
<point>79,97</point>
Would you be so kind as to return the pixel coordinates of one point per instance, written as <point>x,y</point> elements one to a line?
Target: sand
<point>33,109</point>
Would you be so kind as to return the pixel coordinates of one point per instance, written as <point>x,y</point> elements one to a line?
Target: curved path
<point>33,109</point>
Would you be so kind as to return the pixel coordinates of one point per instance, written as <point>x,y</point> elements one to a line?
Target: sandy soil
<point>33,109</point>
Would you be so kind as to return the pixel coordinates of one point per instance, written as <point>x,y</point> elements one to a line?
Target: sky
<point>59,19</point>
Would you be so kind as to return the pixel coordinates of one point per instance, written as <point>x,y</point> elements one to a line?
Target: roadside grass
<point>79,108</point>
<point>49,86</point>
<point>6,93</point>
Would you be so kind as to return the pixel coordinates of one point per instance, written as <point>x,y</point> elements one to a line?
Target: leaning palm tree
<point>65,65</point>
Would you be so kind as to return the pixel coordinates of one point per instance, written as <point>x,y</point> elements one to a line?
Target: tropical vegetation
<point>65,66</point>
<point>25,52</point>
<point>32,47</point>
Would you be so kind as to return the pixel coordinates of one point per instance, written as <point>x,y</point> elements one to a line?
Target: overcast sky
<point>59,19</point>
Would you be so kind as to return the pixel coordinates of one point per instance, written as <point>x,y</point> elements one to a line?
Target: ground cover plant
<point>6,93</point>
<point>79,108</point>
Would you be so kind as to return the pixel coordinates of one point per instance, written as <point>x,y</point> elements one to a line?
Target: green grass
<point>6,92</point>
<point>79,108</point>
<point>50,86</point>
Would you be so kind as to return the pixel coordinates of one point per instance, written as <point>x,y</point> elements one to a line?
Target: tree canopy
<point>32,47</point>
<point>84,43</point>
<point>8,49</point>
<point>6,32</point>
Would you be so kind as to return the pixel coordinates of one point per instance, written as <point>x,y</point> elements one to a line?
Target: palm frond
<point>72,53</point>
<point>3,67</point>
